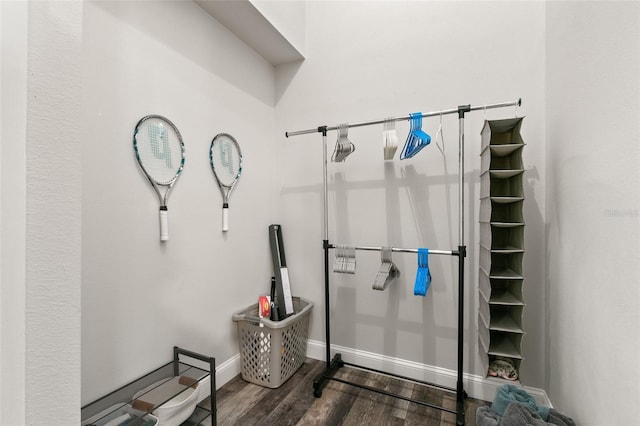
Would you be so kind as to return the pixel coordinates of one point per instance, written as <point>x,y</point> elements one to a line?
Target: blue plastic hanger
<point>417,138</point>
<point>423,276</point>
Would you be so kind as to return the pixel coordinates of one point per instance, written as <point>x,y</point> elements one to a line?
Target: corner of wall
<point>13,85</point>
<point>53,213</point>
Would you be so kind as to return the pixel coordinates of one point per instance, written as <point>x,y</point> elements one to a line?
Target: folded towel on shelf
<point>510,393</point>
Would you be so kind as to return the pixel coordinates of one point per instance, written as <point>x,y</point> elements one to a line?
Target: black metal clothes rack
<point>332,366</point>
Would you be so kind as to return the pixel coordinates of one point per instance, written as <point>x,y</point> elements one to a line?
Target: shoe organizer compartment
<point>502,243</point>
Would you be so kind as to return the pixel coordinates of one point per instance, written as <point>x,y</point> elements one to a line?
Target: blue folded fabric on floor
<point>510,393</point>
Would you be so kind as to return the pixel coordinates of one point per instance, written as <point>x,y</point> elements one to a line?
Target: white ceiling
<point>243,19</point>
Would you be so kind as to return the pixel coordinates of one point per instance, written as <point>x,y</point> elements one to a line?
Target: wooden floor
<point>293,403</point>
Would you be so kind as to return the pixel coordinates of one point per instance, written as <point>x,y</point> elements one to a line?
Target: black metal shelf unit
<point>106,407</point>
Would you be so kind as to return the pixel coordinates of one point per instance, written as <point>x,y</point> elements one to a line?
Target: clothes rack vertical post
<point>333,365</point>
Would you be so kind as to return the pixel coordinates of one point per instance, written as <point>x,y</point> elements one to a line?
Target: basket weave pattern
<point>271,355</point>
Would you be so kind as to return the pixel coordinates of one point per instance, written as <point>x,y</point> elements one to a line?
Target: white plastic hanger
<point>344,147</point>
<point>387,272</point>
<point>389,139</point>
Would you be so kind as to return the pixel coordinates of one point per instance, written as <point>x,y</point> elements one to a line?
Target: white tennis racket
<point>226,163</point>
<point>160,152</point>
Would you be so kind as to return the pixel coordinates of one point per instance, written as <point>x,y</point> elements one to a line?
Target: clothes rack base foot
<point>328,374</point>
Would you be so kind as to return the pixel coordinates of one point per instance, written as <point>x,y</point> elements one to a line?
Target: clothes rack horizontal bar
<point>401,250</point>
<point>407,117</point>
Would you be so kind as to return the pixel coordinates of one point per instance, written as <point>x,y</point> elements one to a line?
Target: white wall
<point>139,296</point>
<point>370,60</point>
<point>53,203</point>
<point>593,210</point>
<point>365,60</point>
<point>13,118</point>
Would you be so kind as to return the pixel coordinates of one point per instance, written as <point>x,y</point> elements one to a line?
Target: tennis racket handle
<point>225,217</point>
<point>164,224</point>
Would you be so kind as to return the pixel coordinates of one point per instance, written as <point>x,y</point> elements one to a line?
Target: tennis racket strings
<point>226,163</point>
<point>160,153</point>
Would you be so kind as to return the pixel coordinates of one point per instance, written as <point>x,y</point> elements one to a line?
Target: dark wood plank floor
<point>293,403</point>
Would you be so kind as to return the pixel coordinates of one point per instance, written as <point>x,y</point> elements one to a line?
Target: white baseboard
<point>478,387</point>
<point>227,370</point>
<point>224,372</point>
<point>483,388</point>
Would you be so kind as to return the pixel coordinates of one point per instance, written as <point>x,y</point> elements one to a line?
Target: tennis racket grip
<point>164,224</point>
<point>225,217</point>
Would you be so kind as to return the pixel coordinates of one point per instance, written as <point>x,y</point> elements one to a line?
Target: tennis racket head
<point>226,162</point>
<point>226,159</point>
<point>159,149</point>
<point>160,153</point>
